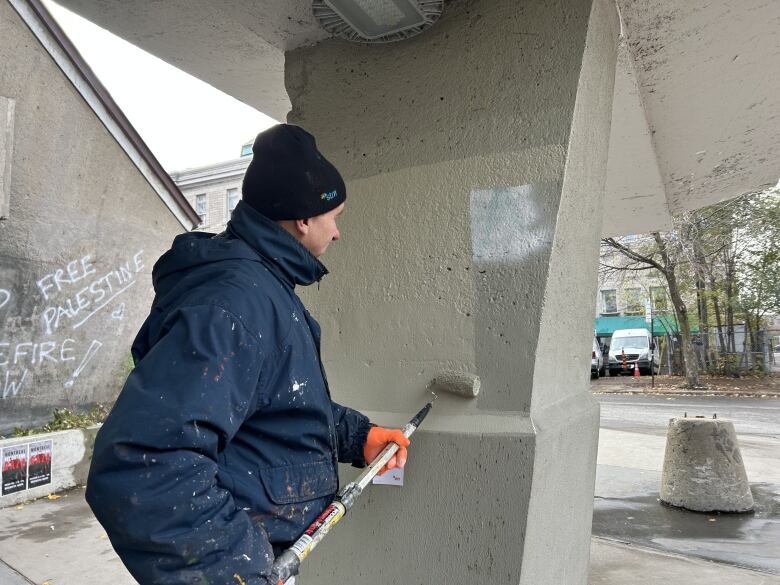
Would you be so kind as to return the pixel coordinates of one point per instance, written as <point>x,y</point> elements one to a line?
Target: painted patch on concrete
<point>506,224</point>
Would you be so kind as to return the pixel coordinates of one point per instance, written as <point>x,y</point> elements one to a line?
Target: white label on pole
<point>301,546</point>
<point>392,477</point>
<point>647,311</point>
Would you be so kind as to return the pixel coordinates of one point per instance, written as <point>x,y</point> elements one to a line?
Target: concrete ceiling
<point>697,92</point>
<point>635,196</point>
<point>235,45</point>
<point>707,75</point>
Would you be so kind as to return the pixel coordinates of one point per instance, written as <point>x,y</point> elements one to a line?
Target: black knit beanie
<point>289,178</point>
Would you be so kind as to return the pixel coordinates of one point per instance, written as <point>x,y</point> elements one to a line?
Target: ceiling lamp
<point>376,21</point>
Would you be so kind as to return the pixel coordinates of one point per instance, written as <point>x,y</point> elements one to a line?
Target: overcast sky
<point>184,121</point>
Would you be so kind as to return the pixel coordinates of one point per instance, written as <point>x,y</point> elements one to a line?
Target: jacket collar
<point>287,257</point>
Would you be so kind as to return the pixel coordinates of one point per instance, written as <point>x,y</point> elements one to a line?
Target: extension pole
<point>288,563</point>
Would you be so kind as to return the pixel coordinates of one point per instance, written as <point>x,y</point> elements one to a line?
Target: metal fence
<point>756,358</point>
<point>748,360</point>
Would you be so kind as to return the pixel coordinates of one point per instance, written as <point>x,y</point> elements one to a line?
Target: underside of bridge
<point>695,117</point>
<point>484,158</point>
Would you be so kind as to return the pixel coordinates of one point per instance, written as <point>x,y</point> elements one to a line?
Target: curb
<point>763,396</point>
<point>10,576</point>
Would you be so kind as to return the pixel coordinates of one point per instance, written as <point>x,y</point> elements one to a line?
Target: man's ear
<point>302,225</point>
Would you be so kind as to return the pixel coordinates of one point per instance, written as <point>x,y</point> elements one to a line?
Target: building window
<point>232,200</point>
<point>633,300</point>
<point>200,207</point>
<point>658,294</point>
<point>246,149</point>
<point>608,301</point>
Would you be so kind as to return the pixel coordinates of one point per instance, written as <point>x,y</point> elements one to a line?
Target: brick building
<point>624,296</point>
<point>214,190</point>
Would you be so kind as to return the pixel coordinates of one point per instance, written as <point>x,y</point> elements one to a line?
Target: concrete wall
<point>76,251</point>
<point>438,164</point>
<point>470,241</point>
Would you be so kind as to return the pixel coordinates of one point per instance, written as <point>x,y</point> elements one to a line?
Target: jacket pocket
<point>288,484</point>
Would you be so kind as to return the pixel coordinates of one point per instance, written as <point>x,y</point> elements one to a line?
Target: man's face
<point>322,231</point>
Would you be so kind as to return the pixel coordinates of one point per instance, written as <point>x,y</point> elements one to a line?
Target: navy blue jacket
<point>223,444</point>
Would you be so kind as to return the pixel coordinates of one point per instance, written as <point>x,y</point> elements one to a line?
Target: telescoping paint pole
<point>288,563</point>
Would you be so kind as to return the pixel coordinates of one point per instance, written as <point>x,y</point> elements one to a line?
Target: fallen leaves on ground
<point>756,386</point>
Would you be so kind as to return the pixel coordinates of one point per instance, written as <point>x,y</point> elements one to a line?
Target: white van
<point>638,347</point>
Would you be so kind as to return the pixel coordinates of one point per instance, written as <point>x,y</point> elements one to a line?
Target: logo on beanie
<point>330,195</point>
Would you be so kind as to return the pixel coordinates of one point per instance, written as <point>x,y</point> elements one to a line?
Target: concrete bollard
<point>703,469</point>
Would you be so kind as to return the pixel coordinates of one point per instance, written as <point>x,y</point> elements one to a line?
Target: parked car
<point>596,360</point>
<point>638,347</point>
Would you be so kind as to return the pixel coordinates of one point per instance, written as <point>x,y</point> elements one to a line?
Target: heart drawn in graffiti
<point>119,312</point>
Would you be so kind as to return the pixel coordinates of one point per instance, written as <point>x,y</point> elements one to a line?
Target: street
<point>651,414</point>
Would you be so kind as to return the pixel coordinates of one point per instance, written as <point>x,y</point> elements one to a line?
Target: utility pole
<point>649,321</point>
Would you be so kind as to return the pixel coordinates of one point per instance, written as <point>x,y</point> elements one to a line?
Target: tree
<point>663,253</point>
<point>726,257</point>
<point>759,270</point>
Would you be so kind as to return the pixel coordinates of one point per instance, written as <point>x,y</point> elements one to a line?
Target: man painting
<point>223,444</point>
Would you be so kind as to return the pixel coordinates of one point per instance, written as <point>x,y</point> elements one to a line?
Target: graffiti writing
<point>97,293</point>
<point>70,296</point>
<point>93,348</point>
<point>13,383</point>
<point>17,359</point>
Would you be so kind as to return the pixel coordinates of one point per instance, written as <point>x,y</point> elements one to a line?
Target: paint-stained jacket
<point>222,446</point>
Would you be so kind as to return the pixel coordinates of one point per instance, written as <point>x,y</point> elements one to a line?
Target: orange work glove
<point>377,440</point>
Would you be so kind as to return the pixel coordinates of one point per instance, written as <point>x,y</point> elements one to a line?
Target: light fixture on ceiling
<point>376,21</point>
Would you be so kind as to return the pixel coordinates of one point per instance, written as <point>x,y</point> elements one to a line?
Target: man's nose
<point>337,236</point>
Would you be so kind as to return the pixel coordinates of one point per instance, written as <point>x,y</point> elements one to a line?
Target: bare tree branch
<point>632,254</point>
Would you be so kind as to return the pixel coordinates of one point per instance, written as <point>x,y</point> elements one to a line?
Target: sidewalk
<point>618,564</point>
<point>632,440</point>
<point>59,542</point>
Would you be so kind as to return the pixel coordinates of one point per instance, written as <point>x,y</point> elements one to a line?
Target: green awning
<point>662,325</point>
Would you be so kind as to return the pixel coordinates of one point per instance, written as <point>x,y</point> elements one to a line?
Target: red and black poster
<point>39,467</point>
<point>14,469</point>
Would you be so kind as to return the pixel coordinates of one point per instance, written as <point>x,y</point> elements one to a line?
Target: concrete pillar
<point>475,159</point>
<point>703,468</point>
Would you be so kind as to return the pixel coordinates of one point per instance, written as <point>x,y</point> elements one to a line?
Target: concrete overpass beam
<point>475,157</point>
<point>635,195</point>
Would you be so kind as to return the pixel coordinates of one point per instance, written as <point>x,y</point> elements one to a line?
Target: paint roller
<point>462,384</point>
<point>288,563</point>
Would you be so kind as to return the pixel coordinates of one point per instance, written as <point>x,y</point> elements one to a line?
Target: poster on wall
<point>14,469</point>
<point>39,467</point>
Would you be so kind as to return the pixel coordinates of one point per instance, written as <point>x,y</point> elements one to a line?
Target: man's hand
<point>377,440</point>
